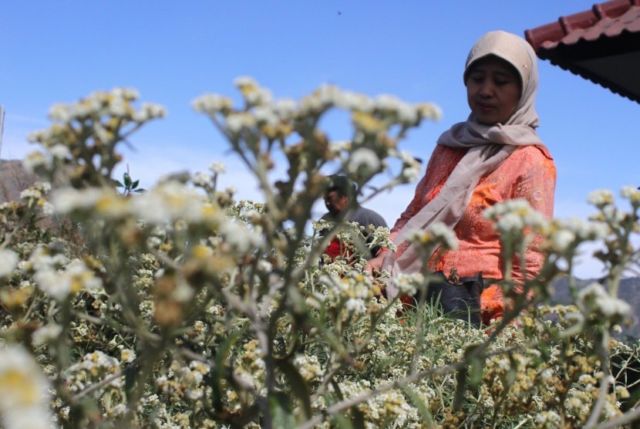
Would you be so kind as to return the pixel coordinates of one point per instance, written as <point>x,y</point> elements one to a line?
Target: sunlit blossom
<point>8,261</point>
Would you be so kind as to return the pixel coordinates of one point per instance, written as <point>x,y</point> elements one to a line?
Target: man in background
<point>340,200</point>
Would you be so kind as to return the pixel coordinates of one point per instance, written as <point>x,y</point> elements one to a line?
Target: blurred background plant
<point>181,307</point>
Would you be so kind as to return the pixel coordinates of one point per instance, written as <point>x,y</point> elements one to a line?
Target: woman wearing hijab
<point>494,156</point>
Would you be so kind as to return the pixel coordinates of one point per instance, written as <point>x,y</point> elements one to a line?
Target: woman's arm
<point>536,184</point>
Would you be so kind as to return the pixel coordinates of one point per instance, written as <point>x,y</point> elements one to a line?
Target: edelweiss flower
<point>363,158</point>
<point>24,391</point>
<point>600,197</point>
<point>595,300</point>
<point>8,262</point>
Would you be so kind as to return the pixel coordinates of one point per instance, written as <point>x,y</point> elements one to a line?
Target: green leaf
<point>417,402</point>
<point>135,184</point>
<point>118,183</point>
<point>356,422</point>
<point>280,413</point>
<point>215,379</point>
<point>461,384</point>
<point>127,180</point>
<point>298,385</point>
<point>476,368</point>
<point>343,422</point>
<point>130,373</point>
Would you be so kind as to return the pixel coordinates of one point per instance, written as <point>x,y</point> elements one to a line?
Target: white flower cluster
<point>594,301</point>
<point>436,234</point>
<point>167,202</point>
<point>24,391</point>
<point>8,262</point>
<point>327,96</point>
<point>514,216</point>
<point>67,200</point>
<point>570,232</point>
<point>37,159</point>
<point>212,104</point>
<point>46,334</point>
<point>631,193</point>
<point>354,290</point>
<point>37,191</point>
<point>363,159</point>
<point>58,277</point>
<point>240,237</point>
<point>407,283</point>
<point>600,197</point>
<point>93,367</point>
<point>192,378</point>
<point>253,93</point>
<point>217,167</point>
<point>308,366</point>
<point>410,166</point>
<point>116,102</point>
<point>170,201</point>
<point>278,115</point>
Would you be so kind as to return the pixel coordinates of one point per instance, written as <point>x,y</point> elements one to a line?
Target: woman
<point>494,156</point>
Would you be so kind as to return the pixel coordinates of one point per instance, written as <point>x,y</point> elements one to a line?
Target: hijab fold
<point>487,147</point>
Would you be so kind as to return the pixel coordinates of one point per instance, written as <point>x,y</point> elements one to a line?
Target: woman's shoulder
<point>447,151</point>
<point>532,153</point>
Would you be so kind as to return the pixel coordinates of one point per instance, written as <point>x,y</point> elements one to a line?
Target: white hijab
<point>519,130</point>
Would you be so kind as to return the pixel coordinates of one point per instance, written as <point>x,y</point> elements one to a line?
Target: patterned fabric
<point>529,173</point>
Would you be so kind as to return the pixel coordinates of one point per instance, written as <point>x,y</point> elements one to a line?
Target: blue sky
<point>59,51</point>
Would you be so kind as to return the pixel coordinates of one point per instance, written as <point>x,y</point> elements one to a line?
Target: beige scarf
<point>501,140</point>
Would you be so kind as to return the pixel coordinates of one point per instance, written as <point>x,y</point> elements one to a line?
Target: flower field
<point>180,307</point>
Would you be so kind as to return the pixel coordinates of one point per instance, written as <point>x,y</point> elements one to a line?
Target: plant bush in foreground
<point>181,307</point>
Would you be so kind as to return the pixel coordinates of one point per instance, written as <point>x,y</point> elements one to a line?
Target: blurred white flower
<point>353,101</point>
<point>363,158</point>
<point>34,160</point>
<point>118,107</point>
<point>600,197</point>
<point>201,179</point>
<point>406,283</point>
<point>631,193</point>
<point>308,366</point>
<point>46,334</point>
<point>217,167</point>
<point>60,283</point>
<point>8,262</point>
<point>513,216</point>
<point>285,108</point>
<point>266,115</point>
<point>594,299</point>
<point>406,113</point>
<point>171,201</point>
<point>24,390</point>
<point>238,236</point>
<point>212,103</point>
<point>243,81</point>
<point>429,111</point>
<point>61,112</point>
<point>436,233</point>
<point>236,122</point>
<point>66,200</point>
<point>355,305</point>
<point>60,151</point>
<point>149,111</point>
<point>561,240</point>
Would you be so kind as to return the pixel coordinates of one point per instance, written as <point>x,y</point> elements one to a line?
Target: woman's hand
<point>375,264</point>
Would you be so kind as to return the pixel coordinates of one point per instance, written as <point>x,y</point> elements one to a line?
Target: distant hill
<point>13,179</point>
<point>629,291</point>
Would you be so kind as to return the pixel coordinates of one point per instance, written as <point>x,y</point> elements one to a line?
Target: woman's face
<point>493,90</point>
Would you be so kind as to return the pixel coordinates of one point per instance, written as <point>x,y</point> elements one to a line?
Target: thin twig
<point>96,386</point>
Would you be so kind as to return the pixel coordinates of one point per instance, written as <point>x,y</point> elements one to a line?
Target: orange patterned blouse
<point>529,173</point>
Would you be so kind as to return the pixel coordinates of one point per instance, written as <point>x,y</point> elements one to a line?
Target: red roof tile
<point>601,44</point>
